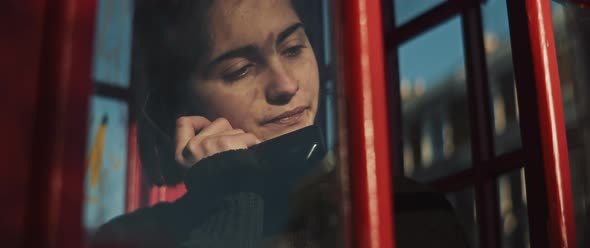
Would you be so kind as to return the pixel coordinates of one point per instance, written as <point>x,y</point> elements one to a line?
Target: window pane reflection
<point>235,108</point>
<point>434,103</point>
<point>112,50</point>
<point>501,76</point>
<point>406,10</point>
<point>572,39</point>
<point>464,204</point>
<point>513,210</point>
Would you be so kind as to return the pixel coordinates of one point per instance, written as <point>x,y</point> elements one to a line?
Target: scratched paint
<point>106,159</point>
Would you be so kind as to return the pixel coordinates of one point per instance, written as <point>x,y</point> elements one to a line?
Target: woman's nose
<point>282,86</point>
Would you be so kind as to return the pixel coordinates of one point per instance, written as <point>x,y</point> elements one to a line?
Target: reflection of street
<point>572,37</point>
<point>436,124</point>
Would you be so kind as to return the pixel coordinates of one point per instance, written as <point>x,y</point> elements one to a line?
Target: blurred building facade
<point>436,138</point>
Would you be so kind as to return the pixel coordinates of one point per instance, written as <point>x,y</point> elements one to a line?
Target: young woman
<point>220,76</point>
<point>216,78</point>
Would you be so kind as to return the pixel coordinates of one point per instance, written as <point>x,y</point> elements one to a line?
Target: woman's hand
<point>198,138</point>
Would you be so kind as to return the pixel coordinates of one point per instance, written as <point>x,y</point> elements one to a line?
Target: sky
<point>439,52</point>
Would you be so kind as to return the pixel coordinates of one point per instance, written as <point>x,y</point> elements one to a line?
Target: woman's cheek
<point>312,77</point>
<point>240,108</point>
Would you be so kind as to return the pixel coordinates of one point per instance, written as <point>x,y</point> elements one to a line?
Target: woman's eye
<point>237,74</point>
<point>293,51</point>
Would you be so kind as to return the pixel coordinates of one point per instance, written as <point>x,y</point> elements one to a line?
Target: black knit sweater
<point>233,200</point>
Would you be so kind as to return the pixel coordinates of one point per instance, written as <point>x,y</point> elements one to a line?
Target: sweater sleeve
<point>233,200</point>
<point>224,173</point>
<point>140,229</point>
<point>256,203</point>
<point>223,201</point>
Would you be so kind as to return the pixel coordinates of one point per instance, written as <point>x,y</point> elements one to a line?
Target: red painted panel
<point>551,120</point>
<point>362,60</point>
<point>166,193</point>
<point>133,193</point>
<point>21,25</point>
<point>55,200</point>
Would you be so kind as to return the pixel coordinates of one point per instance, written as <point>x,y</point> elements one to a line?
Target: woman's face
<point>261,73</point>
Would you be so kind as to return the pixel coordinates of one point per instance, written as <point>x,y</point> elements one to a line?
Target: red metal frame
<point>551,215</point>
<point>552,125</point>
<point>21,24</point>
<point>54,213</point>
<point>133,193</point>
<point>544,153</point>
<point>360,33</point>
<point>425,21</point>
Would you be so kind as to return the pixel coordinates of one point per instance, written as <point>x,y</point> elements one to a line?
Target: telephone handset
<point>304,145</point>
<point>287,161</point>
<point>284,162</point>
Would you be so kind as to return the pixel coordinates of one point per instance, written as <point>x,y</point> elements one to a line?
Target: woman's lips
<point>288,118</point>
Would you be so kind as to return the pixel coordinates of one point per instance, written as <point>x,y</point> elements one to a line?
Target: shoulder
<point>144,227</point>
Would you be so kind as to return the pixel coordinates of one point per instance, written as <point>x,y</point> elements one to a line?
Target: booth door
<point>476,93</point>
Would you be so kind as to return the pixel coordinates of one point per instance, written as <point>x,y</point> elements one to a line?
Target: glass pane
<point>112,48</point>
<point>106,162</point>
<point>513,210</point>
<point>572,39</point>
<point>434,103</point>
<point>327,39</point>
<point>464,204</point>
<point>236,125</point>
<point>406,10</point>
<point>501,76</point>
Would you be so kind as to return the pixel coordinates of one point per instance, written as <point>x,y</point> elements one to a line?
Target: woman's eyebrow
<point>246,51</point>
<point>288,31</point>
<point>250,50</point>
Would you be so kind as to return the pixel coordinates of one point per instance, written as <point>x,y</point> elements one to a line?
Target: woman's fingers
<point>217,126</point>
<point>186,129</point>
<point>221,143</point>
<point>191,153</point>
<point>200,141</point>
<point>229,132</point>
<point>199,148</point>
<point>250,139</point>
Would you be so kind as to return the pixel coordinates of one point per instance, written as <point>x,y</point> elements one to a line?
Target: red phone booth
<point>80,98</point>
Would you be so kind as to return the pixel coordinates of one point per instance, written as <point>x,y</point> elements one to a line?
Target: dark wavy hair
<point>170,38</point>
